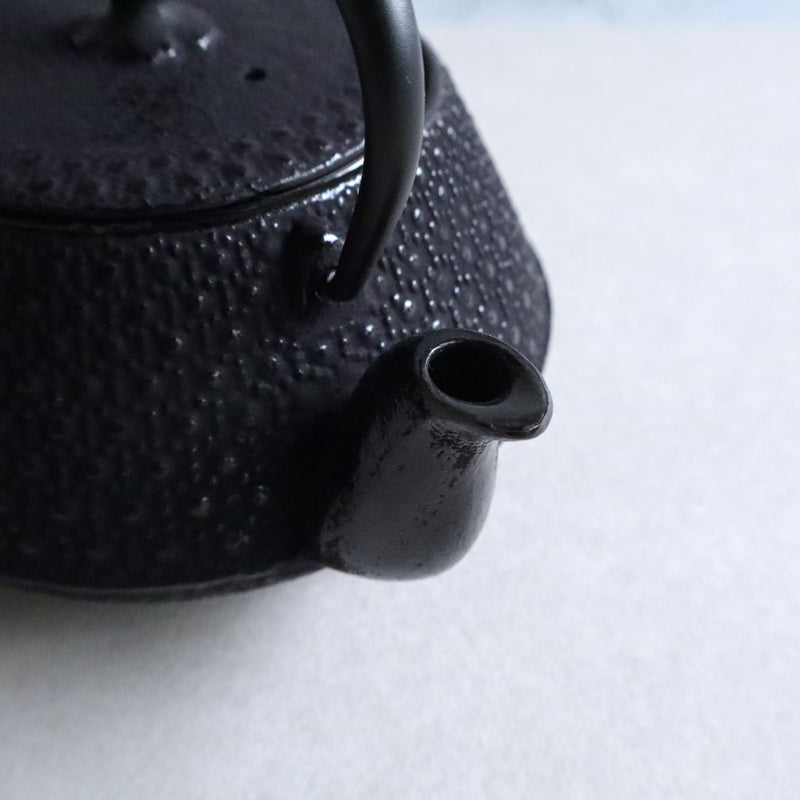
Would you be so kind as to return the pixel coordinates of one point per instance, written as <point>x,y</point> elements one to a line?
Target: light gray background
<point>629,625</point>
<point>613,10</point>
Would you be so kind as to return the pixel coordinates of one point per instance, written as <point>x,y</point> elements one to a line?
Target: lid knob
<point>146,29</point>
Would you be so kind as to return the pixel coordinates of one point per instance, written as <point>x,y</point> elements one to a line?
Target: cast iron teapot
<point>265,305</point>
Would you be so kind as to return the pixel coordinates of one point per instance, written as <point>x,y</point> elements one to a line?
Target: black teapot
<point>265,305</point>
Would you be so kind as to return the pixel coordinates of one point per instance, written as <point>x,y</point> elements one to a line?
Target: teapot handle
<point>388,52</point>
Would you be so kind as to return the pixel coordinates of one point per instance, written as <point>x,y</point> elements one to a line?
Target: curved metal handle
<point>388,51</point>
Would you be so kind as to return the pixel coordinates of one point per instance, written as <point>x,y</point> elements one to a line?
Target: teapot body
<point>161,404</point>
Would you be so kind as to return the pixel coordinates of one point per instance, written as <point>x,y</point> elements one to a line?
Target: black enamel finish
<point>171,425</point>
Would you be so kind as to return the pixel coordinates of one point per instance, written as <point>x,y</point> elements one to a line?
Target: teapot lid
<point>138,108</point>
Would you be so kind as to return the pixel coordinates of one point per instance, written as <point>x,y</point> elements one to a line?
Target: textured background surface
<point>627,628</point>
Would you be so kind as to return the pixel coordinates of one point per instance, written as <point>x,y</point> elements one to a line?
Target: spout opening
<point>483,384</point>
<point>471,372</point>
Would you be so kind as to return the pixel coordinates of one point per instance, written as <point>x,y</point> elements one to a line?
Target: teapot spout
<point>423,429</point>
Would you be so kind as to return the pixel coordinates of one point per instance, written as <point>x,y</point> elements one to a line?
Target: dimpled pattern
<point>197,133</point>
<point>159,390</point>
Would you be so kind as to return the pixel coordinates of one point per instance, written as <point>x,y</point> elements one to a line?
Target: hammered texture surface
<point>158,389</point>
<point>275,99</point>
